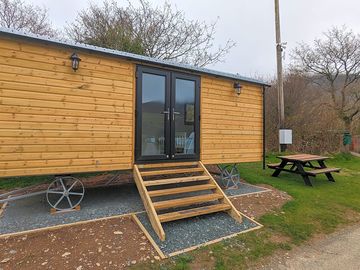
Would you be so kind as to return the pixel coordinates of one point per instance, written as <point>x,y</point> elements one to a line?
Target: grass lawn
<point>314,210</point>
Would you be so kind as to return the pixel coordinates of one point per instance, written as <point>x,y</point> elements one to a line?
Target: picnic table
<point>299,162</point>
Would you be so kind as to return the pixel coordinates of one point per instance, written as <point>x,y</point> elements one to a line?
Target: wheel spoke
<point>55,192</point>
<point>70,188</point>
<point>76,193</point>
<point>56,204</point>
<point>62,184</point>
<point>68,198</point>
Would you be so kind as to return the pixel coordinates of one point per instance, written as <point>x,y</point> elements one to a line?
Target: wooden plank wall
<point>54,120</point>
<point>231,125</point>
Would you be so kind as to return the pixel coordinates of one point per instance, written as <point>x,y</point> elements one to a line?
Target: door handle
<point>167,113</point>
<point>173,114</point>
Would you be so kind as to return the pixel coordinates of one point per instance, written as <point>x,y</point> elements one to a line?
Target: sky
<point>249,23</point>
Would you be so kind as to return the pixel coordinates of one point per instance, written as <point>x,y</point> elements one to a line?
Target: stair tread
<point>171,171</point>
<point>178,190</point>
<point>186,201</point>
<point>168,164</point>
<point>167,181</point>
<point>193,212</point>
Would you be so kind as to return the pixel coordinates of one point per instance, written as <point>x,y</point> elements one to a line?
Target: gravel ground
<point>33,212</point>
<point>244,188</point>
<point>106,244</point>
<point>191,232</point>
<point>256,205</point>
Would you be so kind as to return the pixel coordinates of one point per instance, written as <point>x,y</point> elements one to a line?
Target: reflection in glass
<point>184,112</point>
<point>153,103</point>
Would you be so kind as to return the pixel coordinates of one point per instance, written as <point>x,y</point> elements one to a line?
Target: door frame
<point>196,79</point>
<point>169,100</point>
<point>138,113</point>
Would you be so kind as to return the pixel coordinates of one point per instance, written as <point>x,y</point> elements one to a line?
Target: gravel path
<point>33,212</point>
<point>191,232</point>
<point>337,251</point>
<point>245,188</point>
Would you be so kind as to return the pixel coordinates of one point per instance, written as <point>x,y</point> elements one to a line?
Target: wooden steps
<point>167,165</point>
<point>176,180</point>
<point>191,181</point>
<point>193,212</point>
<point>172,191</point>
<point>186,201</point>
<point>173,171</point>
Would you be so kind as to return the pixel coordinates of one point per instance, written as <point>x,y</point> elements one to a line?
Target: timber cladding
<point>231,125</point>
<point>54,120</point>
<point>57,121</point>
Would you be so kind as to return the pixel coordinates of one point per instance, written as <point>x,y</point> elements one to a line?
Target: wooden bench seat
<point>324,170</point>
<point>273,165</point>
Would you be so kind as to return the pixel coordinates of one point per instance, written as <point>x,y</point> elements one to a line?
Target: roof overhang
<point>129,56</point>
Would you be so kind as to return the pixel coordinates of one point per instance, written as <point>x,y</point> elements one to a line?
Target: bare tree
<point>21,16</point>
<point>316,129</point>
<point>107,26</point>
<point>163,32</point>
<point>333,63</point>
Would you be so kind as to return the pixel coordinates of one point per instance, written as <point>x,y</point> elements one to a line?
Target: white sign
<point>285,136</point>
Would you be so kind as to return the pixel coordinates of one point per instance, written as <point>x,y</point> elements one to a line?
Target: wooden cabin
<point>121,111</point>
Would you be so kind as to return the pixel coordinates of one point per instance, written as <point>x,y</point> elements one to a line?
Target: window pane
<point>184,116</point>
<point>153,104</point>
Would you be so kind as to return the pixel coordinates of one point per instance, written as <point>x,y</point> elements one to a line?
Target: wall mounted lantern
<point>75,61</point>
<point>237,87</point>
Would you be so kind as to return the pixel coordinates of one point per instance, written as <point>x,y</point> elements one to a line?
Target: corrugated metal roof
<point>130,56</point>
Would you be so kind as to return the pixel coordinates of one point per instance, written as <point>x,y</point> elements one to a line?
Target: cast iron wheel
<point>230,176</point>
<point>65,193</point>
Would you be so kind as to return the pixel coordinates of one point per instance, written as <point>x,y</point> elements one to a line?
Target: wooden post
<point>233,212</point>
<point>149,207</point>
<point>280,82</point>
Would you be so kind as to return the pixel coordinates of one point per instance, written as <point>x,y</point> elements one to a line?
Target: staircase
<point>173,191</point>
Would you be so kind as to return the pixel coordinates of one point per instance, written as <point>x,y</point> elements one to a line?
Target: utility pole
<point>280,82</point>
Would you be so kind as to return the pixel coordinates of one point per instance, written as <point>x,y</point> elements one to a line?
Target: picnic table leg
<point>278,170</point>
<point>328,175</point>
<point>303,173</point>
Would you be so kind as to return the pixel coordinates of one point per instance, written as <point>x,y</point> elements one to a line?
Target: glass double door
<point>167,115</point>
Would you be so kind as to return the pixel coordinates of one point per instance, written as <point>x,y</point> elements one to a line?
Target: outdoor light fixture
<point>75,61</point>
<point>237,88</point>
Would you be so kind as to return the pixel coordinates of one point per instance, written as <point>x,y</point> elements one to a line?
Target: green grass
<point>23,181</point>
<point>10,183</point>
<point>314,210</point>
